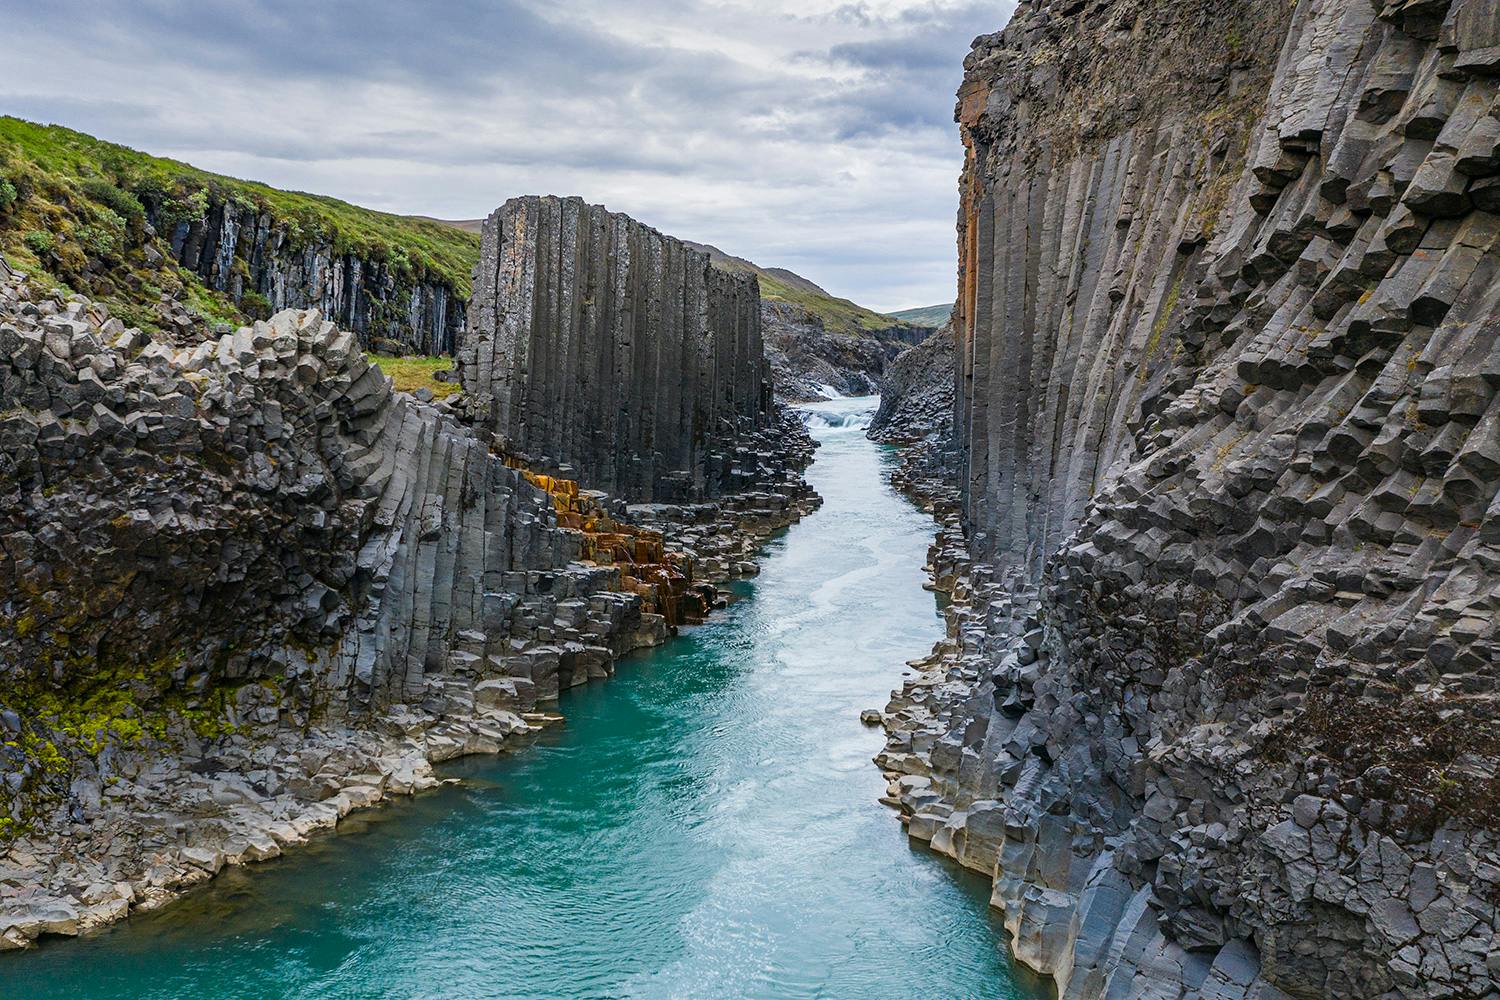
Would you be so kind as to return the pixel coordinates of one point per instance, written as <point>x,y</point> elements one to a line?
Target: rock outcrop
<point>817,343</point>
<point>238,248</point>
<point>916,394</point>
<point>916,412</point>
<point>1219,713</point>
<point>246,587</point>
<point>604,350</point>
<point>808,360</point>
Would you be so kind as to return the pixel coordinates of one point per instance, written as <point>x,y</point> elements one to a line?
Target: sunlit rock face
<point>1223,716</point>
<point>602,349</point>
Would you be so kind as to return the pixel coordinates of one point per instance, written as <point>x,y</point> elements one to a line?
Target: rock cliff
<point>237,247</point>
<point>1219,710</point>
<point>246,587</point>
<point>816,341</point>
<point>916,394</point>
<point>178,250</point>
<point>807,360</point>
<point>605,350</point>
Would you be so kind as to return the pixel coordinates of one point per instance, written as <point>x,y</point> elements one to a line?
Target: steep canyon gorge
<point>248,587</point>
<point>1219,709</point>
<point>1212,443</point>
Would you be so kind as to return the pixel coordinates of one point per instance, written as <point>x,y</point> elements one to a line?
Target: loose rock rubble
<point>246,587</point>
<point>1219,711</point>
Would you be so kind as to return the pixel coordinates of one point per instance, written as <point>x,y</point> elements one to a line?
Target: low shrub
<point>124,204</point>
<point>255,305</point>
<point>39,242</point>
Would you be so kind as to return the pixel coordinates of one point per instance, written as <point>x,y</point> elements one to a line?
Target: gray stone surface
<point>807,359</point>
<point>246,587</point>
<point>1223,551</point>
<point>607,352</point>
<point>916,394</point>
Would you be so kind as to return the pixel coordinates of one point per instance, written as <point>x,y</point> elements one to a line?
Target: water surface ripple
<point>705,825</point>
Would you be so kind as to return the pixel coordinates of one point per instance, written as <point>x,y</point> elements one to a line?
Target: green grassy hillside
<point>778,284</point>
<point>75,207</point>
<point>933,316</point>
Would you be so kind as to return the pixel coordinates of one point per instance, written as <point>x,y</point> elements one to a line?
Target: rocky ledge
<point>245,588</point>
<point>916,412</point>
<point>1219,710</point>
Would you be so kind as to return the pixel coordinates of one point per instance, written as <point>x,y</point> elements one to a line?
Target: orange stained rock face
<point>972,97</point>
<point>663,579</point>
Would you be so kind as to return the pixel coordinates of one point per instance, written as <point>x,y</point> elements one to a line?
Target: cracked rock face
<point>246,587</point>
<point>807,360</point>
<point>1219,713</point>
<point>236,249</point>
<point>263,502</point>
<point>916,394</point>
<point>601,349</point>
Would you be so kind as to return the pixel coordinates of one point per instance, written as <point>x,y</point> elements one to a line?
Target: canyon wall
<point>917,394</point>
<point>599,348</point>
<point>262,505</point>
<point>1220,710</point>
<point>246,586</point>
<point>239,248</point>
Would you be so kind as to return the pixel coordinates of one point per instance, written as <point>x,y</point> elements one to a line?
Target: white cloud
<point>808,134</point>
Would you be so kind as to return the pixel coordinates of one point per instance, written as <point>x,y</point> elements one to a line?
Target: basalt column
<point>1222,717</point>
<point>603,350</point>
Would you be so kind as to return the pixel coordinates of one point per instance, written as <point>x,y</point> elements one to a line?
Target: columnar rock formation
<point>249,572</point>
<point>601,348</point>
<point>259,506</point>
<point>1221,714</point>
<point>238,249</point>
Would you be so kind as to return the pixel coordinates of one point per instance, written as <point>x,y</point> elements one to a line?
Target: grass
<point>933,316</point>
<point>838,315</point>
<point>415,372</point>
<point>80,202</point>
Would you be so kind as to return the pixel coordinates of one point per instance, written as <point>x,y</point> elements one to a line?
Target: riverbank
<point>707,827</point>
<point>167,820</point>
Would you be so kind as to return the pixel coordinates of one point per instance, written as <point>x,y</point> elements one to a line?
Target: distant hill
<point>467,225</point>
<point>779,284</point>
<point>933,316</point>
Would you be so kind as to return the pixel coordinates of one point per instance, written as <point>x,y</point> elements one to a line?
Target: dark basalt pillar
<point>605,351</point>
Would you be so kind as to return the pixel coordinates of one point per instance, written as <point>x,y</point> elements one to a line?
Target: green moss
<point>212,305</point>
<point>127,706</point>
<point>255,305</point>
<point>87,199</point>
<point>1158,330</point>
<point>412,373</point>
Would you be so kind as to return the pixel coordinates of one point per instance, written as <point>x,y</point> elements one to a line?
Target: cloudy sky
<point>810,134</point>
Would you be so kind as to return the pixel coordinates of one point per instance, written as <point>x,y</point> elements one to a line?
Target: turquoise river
<point>704,825</point>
